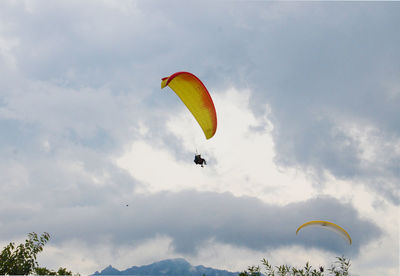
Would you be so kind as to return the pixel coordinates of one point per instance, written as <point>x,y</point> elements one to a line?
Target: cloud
<point>301,89</point>
<point>319,80</point>
<point>240,155</point>
<point>191,218</point>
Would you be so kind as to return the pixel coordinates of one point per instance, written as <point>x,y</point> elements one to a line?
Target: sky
<point>307,96</point>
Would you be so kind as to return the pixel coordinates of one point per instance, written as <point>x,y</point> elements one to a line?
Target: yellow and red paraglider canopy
<point>195,96</point>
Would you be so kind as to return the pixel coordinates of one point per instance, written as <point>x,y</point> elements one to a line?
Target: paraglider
<point>195,96</point>
<point>328,225</point>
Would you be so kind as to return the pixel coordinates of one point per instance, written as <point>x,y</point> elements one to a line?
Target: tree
<point>21,259</point>
<point>45,271</point>
<point>339,268</point>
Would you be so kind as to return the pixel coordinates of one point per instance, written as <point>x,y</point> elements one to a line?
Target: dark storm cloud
<point>191,218</point>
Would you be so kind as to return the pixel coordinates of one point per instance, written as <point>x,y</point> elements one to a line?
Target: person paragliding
<point>199,160</point>
<point>195,96</point>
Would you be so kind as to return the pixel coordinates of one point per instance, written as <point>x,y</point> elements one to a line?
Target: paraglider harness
<point>199,161</point>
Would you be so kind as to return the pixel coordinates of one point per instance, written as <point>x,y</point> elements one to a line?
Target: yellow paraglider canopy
<point>328,225</point>
<point>195,96</point>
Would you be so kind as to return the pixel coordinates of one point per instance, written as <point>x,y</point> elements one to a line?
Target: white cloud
<point>6,46</point>
<point>240,158</point>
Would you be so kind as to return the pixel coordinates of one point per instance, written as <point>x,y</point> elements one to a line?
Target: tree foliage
<point>338,268</point>
<point>21,259</point>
